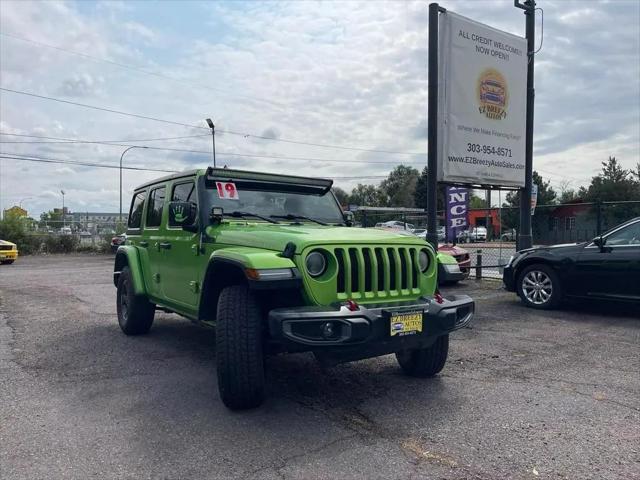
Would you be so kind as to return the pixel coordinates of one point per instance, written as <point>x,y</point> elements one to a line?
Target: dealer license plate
<point>406,323</point>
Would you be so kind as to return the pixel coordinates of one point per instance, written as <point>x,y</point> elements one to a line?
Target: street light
<point>121,156</point>
<point>213,138</point>
<point>63,194</point>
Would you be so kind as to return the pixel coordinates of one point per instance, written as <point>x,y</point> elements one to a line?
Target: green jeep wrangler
<point>271,262</point>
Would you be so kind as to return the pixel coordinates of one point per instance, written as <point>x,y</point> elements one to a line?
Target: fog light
<point>327,330</point>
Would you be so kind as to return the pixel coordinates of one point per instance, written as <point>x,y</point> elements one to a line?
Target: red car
<point>463,259</point>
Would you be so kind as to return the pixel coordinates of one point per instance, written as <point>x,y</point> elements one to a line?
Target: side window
<point>184,192</point>
<point>135,213</point>
<point>156,205</point>
<point>629,235</point>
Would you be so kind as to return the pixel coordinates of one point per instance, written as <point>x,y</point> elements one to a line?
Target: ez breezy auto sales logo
<point>492,94</point>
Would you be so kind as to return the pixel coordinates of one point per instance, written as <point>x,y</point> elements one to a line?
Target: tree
<point>546,196</point>
<point>636,173</point>
<point>420,194</point>
<point>476,202</point>
<point>400,186</point>
<point>341,195</point>
<point>614,183</point>
<point>367,195</point>
<point>51,219</point>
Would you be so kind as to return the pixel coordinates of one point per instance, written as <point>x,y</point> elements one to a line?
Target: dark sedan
<point>608,268</point>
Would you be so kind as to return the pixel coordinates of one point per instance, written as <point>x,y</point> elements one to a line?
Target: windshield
<point>274,203</point>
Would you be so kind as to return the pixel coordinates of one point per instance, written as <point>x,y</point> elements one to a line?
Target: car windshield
<point>276,204</point>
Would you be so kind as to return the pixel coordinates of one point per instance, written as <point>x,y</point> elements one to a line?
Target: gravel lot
<point>525,395</point>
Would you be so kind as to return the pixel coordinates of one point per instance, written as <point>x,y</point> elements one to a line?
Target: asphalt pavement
<point>525,394</point>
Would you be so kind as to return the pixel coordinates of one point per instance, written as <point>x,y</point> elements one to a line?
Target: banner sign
<point>482,104</point>
<point>457,206</point>
<point>534,197</point>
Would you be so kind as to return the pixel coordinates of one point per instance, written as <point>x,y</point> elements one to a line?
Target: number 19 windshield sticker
<point>227,190</point>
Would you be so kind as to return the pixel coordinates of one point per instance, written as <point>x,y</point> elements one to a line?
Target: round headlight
<point>424,260</point>
<point>316,264</point>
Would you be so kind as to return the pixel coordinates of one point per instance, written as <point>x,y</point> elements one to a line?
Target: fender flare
<point>228,267</point>
<point>127,255</point>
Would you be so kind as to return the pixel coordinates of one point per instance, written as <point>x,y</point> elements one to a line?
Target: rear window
<point>156,204</point>
<point>135,214</point>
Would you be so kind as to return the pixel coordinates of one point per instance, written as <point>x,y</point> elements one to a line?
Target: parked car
<point>508,235</point>
<point>396,225</point>
<point>422,233</point>
<point>271,263</point>
<point>117,241</point>
<point>476,234</point>
<point>65,231</point>
<point>463,260</point>
<point>607,268</point>
<point>8,252</point>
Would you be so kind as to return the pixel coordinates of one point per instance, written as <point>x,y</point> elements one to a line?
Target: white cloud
<point>343,73</point>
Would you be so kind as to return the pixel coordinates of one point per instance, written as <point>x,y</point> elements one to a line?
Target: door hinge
<point>156,277</point>
<point>195,286</point>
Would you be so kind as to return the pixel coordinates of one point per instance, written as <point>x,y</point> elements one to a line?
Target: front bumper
<point>366,331</point>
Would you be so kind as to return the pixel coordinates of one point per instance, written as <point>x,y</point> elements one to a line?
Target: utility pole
<point>213,139</point>
<point>432,129</point>
<point>524,235</point>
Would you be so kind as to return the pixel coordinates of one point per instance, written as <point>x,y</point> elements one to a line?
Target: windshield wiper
<point>238,214</point>
<point>291,216</point>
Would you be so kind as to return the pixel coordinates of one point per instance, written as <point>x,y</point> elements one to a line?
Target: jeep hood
<point>276,236</point>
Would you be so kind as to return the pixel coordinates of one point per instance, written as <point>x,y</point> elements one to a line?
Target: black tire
<point>549,286</point>
<point>425,362</point>
<point>135,312</point>
<point>239,349</point>
<point>7,262</point>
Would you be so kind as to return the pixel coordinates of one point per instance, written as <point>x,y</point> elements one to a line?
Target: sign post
<point>432,128</point>
<point>524,236</point>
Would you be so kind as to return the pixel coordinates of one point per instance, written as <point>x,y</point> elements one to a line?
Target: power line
<point>230,132</point>
<point>135,115</point>
<point>74,140</point>
<point>144,71</point>
<point>207,152</point>
<point>32,158</point>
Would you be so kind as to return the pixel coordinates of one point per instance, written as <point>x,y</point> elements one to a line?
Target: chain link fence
<point>551,224</point>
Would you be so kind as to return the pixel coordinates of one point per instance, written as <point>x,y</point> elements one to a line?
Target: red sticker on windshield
<point>227,190</point>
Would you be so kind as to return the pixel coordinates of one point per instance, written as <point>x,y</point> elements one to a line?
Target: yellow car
<point>8,252</point>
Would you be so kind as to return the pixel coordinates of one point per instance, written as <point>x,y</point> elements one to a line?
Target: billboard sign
<point>482,104</point>
<point>457,206</point>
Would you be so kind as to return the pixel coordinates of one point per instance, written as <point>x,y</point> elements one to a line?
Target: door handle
<point>143,244</point>
<point>165,245</point>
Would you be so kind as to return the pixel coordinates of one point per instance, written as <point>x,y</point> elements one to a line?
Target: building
<point>98,222</point>
<point>15,212</point>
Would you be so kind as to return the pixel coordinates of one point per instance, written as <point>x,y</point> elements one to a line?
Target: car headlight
<point>424,260</point>
<point>316,263</point>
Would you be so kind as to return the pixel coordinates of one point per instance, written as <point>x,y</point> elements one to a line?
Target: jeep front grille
<point>369,272</point>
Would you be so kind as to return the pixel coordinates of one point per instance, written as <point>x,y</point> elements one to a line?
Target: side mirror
<point>349,218</point>
<point>600,242</point>
<point>183,214</point>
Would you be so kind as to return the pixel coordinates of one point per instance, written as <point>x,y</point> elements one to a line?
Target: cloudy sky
<point>348,74</point>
